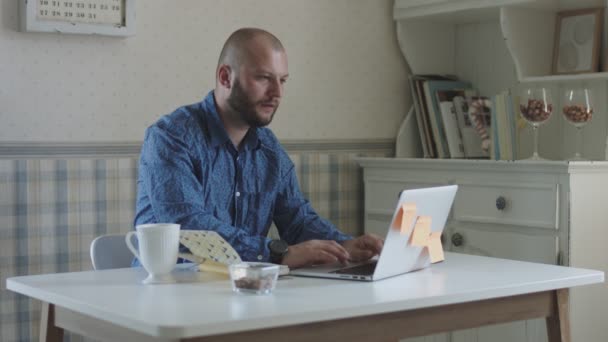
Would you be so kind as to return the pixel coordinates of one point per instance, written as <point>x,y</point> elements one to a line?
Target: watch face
<point>278,247</point>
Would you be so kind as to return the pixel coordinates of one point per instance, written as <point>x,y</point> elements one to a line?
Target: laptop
<point>398,256</point>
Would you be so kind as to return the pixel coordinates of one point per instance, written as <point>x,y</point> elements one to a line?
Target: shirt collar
<point>217,132</point>
<point>252,140</point>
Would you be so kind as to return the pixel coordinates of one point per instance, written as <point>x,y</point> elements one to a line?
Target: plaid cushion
<point>51,210</point>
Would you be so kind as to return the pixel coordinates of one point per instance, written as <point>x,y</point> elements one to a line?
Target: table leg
<point>558,324</point>
<point>48,331</point>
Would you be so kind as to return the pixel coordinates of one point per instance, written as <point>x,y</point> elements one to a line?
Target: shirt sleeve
<point>176,195</point>
<point>295,218</point>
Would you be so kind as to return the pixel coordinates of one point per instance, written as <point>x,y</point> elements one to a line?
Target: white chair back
<point>110,251</point>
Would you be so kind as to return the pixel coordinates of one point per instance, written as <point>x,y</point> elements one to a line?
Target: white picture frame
<point>35,17</point>
<point>577,44</point>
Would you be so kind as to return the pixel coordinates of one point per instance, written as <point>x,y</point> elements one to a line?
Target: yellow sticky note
<point>405,218</point>
<point>422,230</point>
<point>213,266</point>
<point>435,247</point>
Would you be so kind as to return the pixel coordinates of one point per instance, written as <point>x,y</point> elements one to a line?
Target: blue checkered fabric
<point>51,210</point>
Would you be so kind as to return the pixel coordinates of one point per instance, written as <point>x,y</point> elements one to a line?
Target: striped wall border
<point>52,150</point>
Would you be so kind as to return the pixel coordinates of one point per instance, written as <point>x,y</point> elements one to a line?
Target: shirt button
<point>238,194</point>
<point>260,257</point>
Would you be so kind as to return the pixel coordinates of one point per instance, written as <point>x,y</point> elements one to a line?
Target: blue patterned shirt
<point>190,173</point>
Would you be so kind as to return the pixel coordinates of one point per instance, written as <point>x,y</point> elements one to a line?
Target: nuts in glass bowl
<point>254,277</point>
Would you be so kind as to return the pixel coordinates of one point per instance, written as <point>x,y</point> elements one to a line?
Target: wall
<point>73,110</point>
<point>348,78</point>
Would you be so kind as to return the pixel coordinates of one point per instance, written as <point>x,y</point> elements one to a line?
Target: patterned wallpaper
<point>348,78</point>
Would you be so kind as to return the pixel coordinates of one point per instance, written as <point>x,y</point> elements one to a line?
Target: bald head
<point>241,45</point>
<point>250,78</point>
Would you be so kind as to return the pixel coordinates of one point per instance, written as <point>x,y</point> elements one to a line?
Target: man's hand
<point>315,252</point>
<point>364,247</point>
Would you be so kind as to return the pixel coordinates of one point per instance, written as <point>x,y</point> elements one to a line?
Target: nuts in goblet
<point>536,111</point>
<point>578,113</point>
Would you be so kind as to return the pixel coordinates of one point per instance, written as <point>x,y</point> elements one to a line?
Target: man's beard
<point>246,108</point>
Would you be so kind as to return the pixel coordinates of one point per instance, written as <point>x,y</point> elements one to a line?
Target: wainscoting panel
<point>55,199</point>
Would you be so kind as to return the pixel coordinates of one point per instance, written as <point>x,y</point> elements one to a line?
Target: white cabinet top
<point>548,167</point>
<point>203,304</point>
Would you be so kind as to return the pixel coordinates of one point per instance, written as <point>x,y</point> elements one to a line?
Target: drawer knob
<point>501,203</point>
<point>457,239</point>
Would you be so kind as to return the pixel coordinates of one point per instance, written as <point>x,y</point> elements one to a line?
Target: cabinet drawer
<point>487,241</point>
<point>383,194</point>
<point>530,205</point>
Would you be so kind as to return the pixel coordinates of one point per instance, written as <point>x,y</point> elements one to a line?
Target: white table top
<point>203,304</point>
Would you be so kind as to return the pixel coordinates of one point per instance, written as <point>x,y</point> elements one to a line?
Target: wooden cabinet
<point>550,212</point>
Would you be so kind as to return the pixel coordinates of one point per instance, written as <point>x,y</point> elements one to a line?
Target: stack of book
<point>453,122</point>
<point>444,125</point>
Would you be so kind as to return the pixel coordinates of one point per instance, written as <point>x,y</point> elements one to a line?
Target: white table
<point>462,292</point>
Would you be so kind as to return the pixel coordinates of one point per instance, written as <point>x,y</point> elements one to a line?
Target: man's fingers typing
<point>335,249</point>
<point>315,252</point>
<point>373,243</point>
<point>363,255</point>
<point>323,257</point>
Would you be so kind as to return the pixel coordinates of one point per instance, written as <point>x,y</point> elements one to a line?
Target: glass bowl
<point>254,277</point>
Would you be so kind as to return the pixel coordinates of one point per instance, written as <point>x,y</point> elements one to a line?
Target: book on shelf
<point>431,87</point>
<point>505,134</point>
<point>494,148</point>
<point>450,121</point>
<point>471,139</point>
<point>427,151</point>
<point>514,119</point>
<point>427,141</point>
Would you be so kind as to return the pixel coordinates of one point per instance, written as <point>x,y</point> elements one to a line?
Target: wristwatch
<point>278,250</point>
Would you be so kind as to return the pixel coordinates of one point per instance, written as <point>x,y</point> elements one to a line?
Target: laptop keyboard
<point>365,269</point>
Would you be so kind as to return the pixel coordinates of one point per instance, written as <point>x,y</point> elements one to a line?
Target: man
<point>213,166</point>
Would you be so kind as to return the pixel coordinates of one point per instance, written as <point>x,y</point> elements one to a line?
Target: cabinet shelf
<point>527,27</point>
<point>596,76</point>
<point>462,11</point>
<point>505,44</point>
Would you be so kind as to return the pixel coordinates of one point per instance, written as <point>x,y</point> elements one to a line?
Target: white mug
<point>158,248</point>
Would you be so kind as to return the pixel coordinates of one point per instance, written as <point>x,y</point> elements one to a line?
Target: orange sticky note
<point>405,218</point>
<point>435,247</point>
<point>409,214</point>
<point>398,219</point>
<point>422,230</point>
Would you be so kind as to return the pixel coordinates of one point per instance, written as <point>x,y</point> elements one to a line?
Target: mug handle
<point>130,244</point>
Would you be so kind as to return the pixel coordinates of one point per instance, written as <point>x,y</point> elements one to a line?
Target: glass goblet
<point>536,106</point>
<point>578,110</point>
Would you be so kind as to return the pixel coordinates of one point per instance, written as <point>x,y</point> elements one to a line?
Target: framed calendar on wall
<point>103,17</point>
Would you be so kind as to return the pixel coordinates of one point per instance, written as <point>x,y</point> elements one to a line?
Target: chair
<point>110,251</point>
